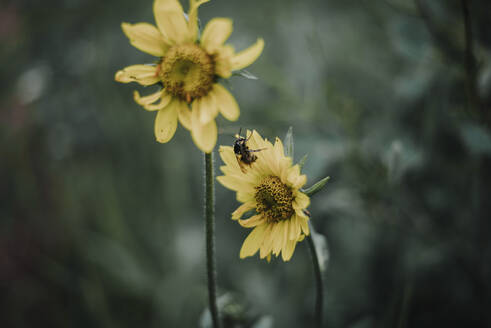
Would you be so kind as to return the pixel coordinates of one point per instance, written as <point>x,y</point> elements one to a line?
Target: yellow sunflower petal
<point>252,221</point>
<point>301,214</point>
<point>304,224</point>
<point>223,60</point>
<point>184,115</point>
<point>204,136</point>
<point>300,181</point>
<point>146,37</point>
<point>255,140</point>
<point>278,237</point>
<point>286,231</point>
<point>263,163</point>
<point>265,249</point>
<point>253,241</point>
<point>206,108</point>
<point>295,228</point>
<point>226,103</point>
<point>146,100</point>
<point>285,164</point>
<point>236,183</point>
<point>237,214</point>
<point>247,56</point>
<point>296,179</point>
<point>165,99</point>
<point>166,123</point>
<point>244,196</point>
<point>278,148</point>
<point>142,74</point>
<point>288,250</point>
<point>301,201</point>
<point>228,157</point>
<point>193,18</point>
<point>216,32</point>
<point>170,20</point>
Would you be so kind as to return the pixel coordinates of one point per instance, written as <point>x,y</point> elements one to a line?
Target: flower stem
<point>318,281</point>
<point>210,237</point>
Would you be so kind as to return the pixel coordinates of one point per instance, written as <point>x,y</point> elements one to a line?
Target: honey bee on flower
<point>270,187</point>
<point>244,155</point>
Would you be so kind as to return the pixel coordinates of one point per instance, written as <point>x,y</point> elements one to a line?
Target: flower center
<point>187,72</point>
<point>274,199</point>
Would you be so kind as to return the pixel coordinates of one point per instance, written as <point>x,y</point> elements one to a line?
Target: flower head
<point>187,71</point>
<point>270,186</point>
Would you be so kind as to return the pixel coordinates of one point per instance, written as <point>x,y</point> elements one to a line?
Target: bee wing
<point>242,165</point>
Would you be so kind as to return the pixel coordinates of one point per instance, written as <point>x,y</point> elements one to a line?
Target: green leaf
<point>302,161</point>
<point>316,187</point>
<point>246,74</point>
<point>288,143</point>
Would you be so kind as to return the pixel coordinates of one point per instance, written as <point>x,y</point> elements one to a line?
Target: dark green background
<point>101,226</point>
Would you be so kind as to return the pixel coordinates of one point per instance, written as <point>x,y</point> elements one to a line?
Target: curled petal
<point>252,221</point>
<point>237,214</point>
<point>247,56</point>
<point>146,100</point>
<point>165,99</point>
<point>142,74</point>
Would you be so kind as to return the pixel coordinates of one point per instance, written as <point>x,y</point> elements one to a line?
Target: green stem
<point>210,237</point>
<point>319,297</point>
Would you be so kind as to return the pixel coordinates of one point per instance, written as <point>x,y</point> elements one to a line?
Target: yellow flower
<point>271,187</point>
<point>187,71</point>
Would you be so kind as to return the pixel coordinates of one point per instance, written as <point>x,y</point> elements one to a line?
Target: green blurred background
<point>101,226</point>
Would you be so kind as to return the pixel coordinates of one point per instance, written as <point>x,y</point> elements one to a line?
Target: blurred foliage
<point>100,226</point>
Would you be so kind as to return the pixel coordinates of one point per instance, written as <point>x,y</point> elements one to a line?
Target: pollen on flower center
<point>187,72</point>
<point>274,199</point>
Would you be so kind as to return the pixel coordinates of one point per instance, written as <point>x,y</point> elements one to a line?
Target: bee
<point>244,155</point>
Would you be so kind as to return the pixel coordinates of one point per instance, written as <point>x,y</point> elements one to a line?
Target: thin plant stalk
<point>210,238</point>
<point>319,286</point>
